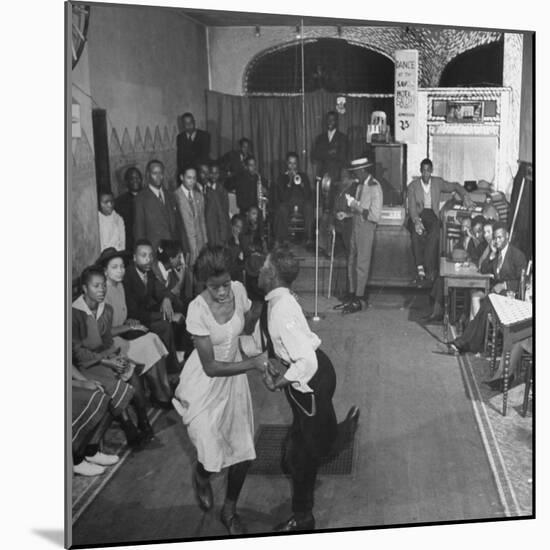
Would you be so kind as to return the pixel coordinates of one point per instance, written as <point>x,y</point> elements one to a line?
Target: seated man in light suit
<point>423,198</point>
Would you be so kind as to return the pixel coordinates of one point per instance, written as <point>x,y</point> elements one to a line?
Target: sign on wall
<point>406,95</point>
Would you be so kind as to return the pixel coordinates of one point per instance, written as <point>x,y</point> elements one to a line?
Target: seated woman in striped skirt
<point>91,416</point>
<point>134,339</point>
<point>96,356</point>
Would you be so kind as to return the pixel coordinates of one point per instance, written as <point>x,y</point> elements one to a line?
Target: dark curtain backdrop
<point>274,124</point>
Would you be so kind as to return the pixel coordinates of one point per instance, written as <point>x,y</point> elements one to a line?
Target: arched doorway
<point>481,66</point>
<point>330,64</point>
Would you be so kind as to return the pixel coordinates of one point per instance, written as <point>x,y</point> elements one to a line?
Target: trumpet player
<point>292,193</point>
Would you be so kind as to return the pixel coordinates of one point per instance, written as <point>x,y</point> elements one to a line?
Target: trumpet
<point>261,198</point>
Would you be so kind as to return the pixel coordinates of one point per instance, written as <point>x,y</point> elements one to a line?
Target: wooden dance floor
<point>419,456</point>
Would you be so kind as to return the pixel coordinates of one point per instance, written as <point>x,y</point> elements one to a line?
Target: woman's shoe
<point>203,493</point>
<point>292,524</point>
<point>102,459</point>
<point>232,522</point>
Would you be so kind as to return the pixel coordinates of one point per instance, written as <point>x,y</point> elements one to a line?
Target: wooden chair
<point>527,360</point>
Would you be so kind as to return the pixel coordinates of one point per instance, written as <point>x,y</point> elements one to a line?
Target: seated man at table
<point>423,197</point>
<point>470,247</point>
<point>505,263</point>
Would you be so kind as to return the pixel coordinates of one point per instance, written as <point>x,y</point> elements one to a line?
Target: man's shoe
<point>102,459</point>
<point>498,384</point>
<point>292,524</point>
<point>233,524</point>
<point>86,468</point>
<point>352,307</point>
<point>203,493</point>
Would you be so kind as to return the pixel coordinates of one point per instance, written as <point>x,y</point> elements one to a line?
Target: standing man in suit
<point>156,213</point>
<point>505,263</point>
<point>216,209</point>
<point>330,151</point>
<point>125,203</point>
<point>193,145</point>
<point>246,186</point>
<point>423,197</point>
<point>190,203</point>
<point>365,208</point>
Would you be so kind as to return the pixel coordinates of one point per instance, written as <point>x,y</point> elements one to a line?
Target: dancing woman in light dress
<point>213,397</point>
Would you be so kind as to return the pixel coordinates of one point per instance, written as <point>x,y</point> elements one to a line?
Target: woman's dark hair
<point>167,250</point>
<point>243,140</point>
<point>286,265</point>
<point>212,261</point>
<point>478,220</point>
<point>89,272</point>
<point>489,222</point>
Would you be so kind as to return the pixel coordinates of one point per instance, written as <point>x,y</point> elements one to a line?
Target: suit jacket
<point>193,224</point>
<point>510,271</point>
<point>246,189</point>
<point>143,301</point>
<point>415,195</point>
<point>125,206</point>
<point>216,215</point>
<point>191,152</point>
<point>330,156</point>
<point>156,221</point>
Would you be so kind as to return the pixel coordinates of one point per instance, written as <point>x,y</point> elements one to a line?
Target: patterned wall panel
<point>146,144</point>
<point>84,234</point>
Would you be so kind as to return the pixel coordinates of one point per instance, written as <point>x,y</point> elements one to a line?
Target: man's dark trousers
<point>311,437</point>
<point>426,246</point>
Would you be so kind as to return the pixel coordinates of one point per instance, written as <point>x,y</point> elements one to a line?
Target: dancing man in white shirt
<point>307,377</point>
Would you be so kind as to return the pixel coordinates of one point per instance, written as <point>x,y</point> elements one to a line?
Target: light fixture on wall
<point>257,31</point>
<point>298,34</point>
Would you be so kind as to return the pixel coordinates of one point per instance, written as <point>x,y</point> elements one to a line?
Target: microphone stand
<point>316,314</point>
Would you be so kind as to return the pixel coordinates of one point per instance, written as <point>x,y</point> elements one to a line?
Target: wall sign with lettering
<point>406,95</point>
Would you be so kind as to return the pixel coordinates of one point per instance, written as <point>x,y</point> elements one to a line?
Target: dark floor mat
<point>269,453</point>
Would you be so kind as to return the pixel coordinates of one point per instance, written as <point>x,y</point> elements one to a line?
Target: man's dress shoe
<point>353,307</point>
<point>233,524</point>
<point>203,493</point>
<point>293,525</point>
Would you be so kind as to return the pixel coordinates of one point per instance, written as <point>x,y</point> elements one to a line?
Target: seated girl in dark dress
<point>95,355</point>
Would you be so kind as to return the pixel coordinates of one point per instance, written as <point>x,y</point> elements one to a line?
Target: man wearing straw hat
<point>366,207</point>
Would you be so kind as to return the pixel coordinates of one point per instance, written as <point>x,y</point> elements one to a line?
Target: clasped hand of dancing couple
<point>213,395</point>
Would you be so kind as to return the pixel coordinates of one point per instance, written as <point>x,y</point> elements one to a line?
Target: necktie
<point>191,203</point>
<point>499,261</point>
<point>161,197</point>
